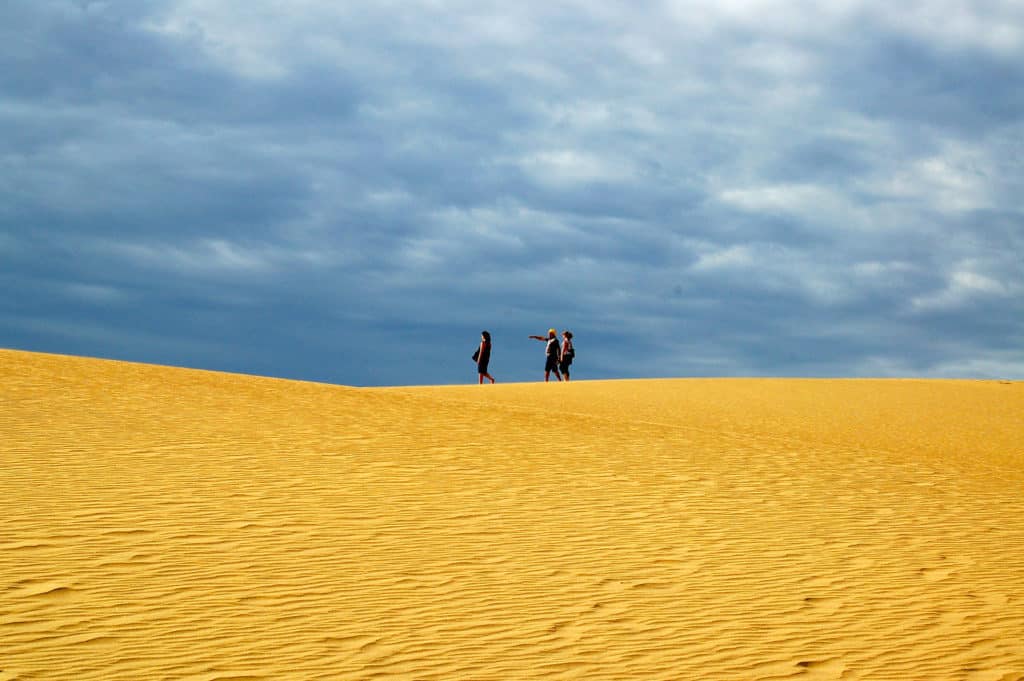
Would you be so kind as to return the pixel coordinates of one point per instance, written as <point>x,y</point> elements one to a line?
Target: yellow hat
<point>550,331</point>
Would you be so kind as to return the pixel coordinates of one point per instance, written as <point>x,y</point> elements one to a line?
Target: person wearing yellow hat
<point>551,353</point>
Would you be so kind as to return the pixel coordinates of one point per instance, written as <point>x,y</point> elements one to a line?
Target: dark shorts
<point>481,367</point>
<point>564,366</point>
<point>551,364</point>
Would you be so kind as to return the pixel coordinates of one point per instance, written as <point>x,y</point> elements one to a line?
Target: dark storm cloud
<point>351,193</point>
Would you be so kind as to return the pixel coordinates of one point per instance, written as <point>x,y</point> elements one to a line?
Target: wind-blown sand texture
<point>169,523</point>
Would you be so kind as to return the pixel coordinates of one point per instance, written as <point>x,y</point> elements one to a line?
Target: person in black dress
<point>483,356</point>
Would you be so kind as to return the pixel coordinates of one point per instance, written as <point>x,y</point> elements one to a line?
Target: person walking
<point>551,353</point>
<point>483,356</point>
<point>567,355</point>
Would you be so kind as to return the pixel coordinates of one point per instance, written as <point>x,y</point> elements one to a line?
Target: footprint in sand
<point>822,669</point>
<point>570,631</point>
<point>826,606</point>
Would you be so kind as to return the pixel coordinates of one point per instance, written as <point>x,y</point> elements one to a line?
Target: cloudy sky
<point>350,191</point>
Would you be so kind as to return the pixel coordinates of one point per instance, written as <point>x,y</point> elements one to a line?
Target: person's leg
<point>481,381</point>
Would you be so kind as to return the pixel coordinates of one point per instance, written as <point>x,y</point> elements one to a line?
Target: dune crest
<point>168,523</point>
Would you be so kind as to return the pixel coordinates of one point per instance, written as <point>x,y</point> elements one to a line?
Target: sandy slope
<point>166,523</point>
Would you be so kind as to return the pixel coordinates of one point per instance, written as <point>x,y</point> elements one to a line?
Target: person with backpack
<point>482,356</point>
<point>551,354</point>
<point>568,354</point>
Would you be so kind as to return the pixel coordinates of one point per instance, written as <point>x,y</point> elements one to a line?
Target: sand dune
<point>167,523</point>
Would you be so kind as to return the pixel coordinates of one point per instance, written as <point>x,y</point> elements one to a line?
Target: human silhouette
<point>551,354</point>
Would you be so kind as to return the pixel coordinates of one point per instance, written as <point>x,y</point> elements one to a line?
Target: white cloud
<point>730,258</point>
<point>568,166</point>
<point>995,26</point>
<point>822,208</point>
<point>201,257</point>
<point>792,198</point>
<point>96,294</point>
<point>992,365</point>
<point>882,271</point>
<point>774,269</point>
<point>964,285</point>
<point>956,180</point>
<point>247,39</point>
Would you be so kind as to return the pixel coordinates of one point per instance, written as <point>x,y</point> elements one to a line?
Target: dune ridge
<point>159,522</point>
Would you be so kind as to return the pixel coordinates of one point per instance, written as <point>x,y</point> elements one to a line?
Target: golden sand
<point>168,523</point>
